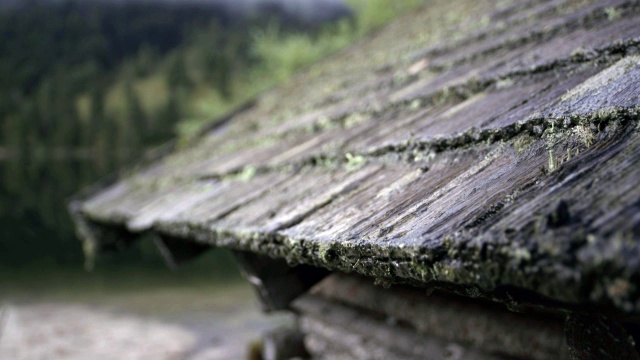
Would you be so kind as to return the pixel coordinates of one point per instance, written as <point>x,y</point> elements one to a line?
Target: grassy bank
<point>142,289</point>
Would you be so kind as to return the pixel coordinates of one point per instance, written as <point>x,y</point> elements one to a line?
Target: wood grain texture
<point>482,325</point>
<point>497,148</point>
<point>338,331</point>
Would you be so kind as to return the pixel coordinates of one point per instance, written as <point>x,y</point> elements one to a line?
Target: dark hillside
<point>42,37</point>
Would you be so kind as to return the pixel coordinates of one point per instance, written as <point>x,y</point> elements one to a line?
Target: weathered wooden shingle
<point>489,149</point>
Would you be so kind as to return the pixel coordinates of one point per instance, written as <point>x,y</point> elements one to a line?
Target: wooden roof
<point>492,149</point>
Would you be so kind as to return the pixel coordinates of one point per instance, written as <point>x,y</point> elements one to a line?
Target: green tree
<point>223,54</point>
<point>135,116</point>
<point>169,116</point>
<point>95,122</point>
<point>177,74</point>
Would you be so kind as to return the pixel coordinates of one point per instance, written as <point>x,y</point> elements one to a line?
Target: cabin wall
<point>348,317</point>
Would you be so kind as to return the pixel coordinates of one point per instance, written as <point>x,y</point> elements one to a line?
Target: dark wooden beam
<point>177,251</point>
<point>275,282</point>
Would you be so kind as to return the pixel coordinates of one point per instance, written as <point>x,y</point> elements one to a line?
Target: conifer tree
<point>136,119</point>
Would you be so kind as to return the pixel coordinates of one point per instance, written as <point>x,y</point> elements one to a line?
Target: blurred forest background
<point>87,87</point>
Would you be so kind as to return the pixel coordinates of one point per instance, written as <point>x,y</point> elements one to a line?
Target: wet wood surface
<point>497,147</point>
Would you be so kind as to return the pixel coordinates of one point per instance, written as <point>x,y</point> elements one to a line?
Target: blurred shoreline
<point>111,318</point>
